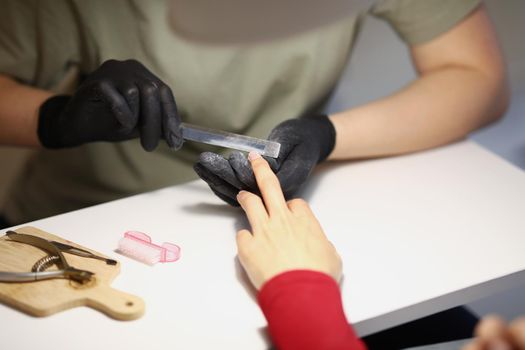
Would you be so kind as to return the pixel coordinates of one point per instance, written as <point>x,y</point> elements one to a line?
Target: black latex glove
<point>304,143</point>
<point>119,101</point>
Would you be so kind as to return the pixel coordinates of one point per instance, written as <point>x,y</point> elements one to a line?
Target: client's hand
<point>494,333</point>
<point>284,236</point>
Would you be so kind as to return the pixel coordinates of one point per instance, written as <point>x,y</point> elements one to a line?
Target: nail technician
<point>99,89</point>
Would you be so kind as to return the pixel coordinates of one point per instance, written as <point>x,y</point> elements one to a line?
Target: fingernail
<point>253,155</point>
<point>240,194</point>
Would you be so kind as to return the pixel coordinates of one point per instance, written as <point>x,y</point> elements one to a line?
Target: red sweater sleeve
<point>304,311</point>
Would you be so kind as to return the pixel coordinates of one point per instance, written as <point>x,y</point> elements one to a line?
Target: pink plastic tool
<point>137,245</point>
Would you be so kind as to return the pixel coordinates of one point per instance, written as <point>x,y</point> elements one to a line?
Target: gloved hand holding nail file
<point>122,100</point>
<point>305,142</point>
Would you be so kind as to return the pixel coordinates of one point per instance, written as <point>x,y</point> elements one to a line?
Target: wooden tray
<point>44,298</point>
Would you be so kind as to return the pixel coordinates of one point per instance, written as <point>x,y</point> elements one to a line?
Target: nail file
<point>230,140</point>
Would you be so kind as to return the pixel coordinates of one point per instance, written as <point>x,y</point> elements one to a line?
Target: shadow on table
<point>518,156</point>
<point>213,209</point>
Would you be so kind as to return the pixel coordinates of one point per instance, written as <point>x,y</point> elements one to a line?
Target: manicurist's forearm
<point>439,107</point>
<point>462,86</point>
<point>19,106</point>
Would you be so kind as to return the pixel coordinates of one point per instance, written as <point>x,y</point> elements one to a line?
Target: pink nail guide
<point>138,245</point>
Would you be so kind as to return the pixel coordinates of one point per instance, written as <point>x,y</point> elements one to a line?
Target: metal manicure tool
<point>229,140</point>
<point>82,252</point>
<point>54,257</point>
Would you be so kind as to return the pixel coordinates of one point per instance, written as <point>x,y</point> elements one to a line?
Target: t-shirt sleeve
<point>419,21</point>
<point>304,311</point>
<point>39,41</point>
<point>18,48</point>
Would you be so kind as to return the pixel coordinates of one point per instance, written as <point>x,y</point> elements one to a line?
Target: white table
<point>417,234</point>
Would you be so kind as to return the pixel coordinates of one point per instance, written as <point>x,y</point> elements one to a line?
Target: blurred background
<point>370,76</point>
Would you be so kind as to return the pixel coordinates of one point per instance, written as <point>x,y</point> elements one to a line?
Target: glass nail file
<point>229,140</point>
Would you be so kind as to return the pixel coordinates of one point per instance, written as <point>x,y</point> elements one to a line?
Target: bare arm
<point>19,106</point>
<point>461,87</point>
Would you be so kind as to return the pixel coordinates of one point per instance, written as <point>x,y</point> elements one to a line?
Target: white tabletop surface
<point>417,234</point>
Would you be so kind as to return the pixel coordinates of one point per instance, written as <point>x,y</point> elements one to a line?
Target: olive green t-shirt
<point>246,89</point>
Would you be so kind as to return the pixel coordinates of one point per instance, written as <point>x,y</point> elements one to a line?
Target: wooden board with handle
<point>46,297</point>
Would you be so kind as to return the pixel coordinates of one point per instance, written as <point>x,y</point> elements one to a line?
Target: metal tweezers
<point>54,249</point>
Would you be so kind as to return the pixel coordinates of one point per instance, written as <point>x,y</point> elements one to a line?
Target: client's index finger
<point>268,184</point>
